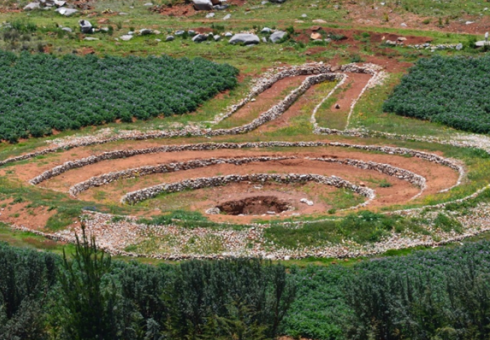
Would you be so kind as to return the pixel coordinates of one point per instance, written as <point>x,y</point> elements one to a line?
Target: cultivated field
<point>295,158</point>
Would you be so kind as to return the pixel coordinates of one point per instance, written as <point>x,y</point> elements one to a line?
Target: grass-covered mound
<point>451,91</point>
<point>41,92</point>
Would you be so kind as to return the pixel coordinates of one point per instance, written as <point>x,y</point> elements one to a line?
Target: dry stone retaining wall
<point>206,182</point>
<point>104,179</point>
<point>58,170</point>
<point>386,169</point>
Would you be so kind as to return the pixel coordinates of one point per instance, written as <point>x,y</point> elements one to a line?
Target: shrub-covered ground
<point>451,91</point>
<point>40,92</point>
<point>443,294</point>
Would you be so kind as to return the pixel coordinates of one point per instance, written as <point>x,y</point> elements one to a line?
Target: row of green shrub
<point>43,296</point>
<point>442,294</point>
<point>40,92</point>
<point>450,90</point>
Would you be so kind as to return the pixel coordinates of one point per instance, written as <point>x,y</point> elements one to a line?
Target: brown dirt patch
<point>352,89</point>
<point>268,98</point>
<point>256,205</point>
<point>353,36</point>
<point>367,16</point>
<point>22,215</point>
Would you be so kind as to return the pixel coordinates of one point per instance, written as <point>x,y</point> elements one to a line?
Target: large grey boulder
<point>217,37</point>
<point>170,38</point>
<point>245,38</point>
<point>31,6</point>
<point>179,33</point>
<point>277,36</point>
<point>203,5</point>
<point>86,26</point>
<point>200,38</point>
<point>66,11</point>
<point>145,31</point>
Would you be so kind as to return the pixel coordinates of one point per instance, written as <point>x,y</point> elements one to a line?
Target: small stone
<point>210,15</point>
<point>126,37</point>
<point>226,17</point>
<point>213,211</point>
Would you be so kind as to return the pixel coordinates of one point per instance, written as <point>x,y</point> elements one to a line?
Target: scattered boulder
<point>315,36</point>
<point>170,38</point>
<point>203,5</point>
<point>245,38</point>
<point>66,11</point>
<point>179,33</point>
<point>31,6</point>
<point>148,4</point>
<point>228,34</point>
<point>278,1</point>
<point>482,43</point>
<point>220,7</point>
<point>277,36</point>
<point>266,30</point>
<point>86,27</point>
<point>210,15</point>
<point>200,38</point>
<point>145,31</point>
<point>191,33</point>
<point>459,46</point>
<point>90,39</point>
<point>217,37</point>
<point>213,211</point>
<point>58,3</point>
<point>126,37</point>
<point>319,21</point>
<point>306,201</point>
<point>226,17</point>
<point>66,29</point>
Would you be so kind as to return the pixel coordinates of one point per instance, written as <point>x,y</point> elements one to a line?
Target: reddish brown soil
<point>187,10</point>
<point>269,98</point>
<point>256,205</point>
<point>22,215</point>
<point>352,89</point>
<point>353,36</point>
<point>366,16</point>
<point>202,200</point>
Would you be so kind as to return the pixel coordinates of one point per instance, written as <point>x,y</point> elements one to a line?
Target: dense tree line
<point>88,296</point>
<point>40,92</point>
<point>442,294</point>
<point>450,90</point>
<point>438,295</point>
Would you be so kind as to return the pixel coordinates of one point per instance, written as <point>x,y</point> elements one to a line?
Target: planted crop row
<point>41,92</point>
<point>451,91</point>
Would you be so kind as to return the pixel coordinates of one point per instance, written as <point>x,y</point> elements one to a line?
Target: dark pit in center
<point>257,205</point>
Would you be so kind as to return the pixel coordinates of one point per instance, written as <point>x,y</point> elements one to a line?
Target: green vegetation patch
<point>40,92</point>
<point>451,91</point>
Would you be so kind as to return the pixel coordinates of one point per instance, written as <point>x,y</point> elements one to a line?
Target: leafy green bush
<point>452,91</point>
<point>40,92</point>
